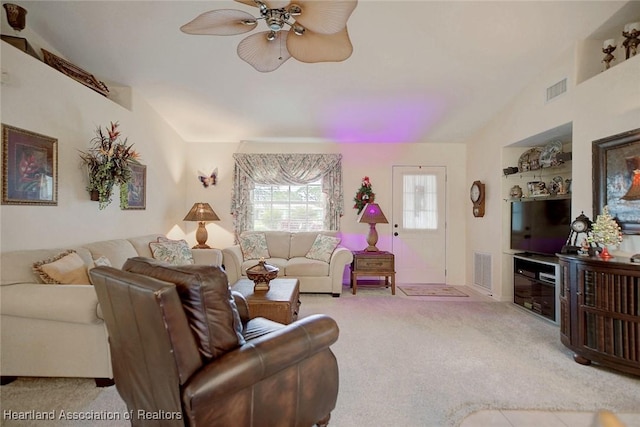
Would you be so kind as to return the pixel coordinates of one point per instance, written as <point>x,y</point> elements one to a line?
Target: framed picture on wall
<point>616,169</point>
<point>137,187</point>
<point>29,168</point>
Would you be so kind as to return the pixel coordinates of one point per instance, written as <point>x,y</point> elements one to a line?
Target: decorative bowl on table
<point>261,274</point>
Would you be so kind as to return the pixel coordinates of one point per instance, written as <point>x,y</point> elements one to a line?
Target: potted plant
<point>108,163</point>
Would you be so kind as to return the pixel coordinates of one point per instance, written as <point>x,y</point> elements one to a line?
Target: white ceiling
<point>421,71</point>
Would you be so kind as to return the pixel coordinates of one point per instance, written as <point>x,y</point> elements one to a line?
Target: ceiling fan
<point>318,31</point>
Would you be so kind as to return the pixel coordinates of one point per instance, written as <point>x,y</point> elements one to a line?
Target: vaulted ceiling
<point>421,71</point>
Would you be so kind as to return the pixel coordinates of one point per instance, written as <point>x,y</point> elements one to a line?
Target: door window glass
<point>420,202</point>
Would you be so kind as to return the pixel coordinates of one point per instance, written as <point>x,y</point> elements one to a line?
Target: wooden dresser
<point>600,311</point>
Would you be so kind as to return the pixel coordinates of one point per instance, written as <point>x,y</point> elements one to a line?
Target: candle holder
<point>631,34</point>
<point>609,47</point>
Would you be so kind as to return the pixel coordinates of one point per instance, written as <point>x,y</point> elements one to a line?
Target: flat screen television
<point>540,226</point>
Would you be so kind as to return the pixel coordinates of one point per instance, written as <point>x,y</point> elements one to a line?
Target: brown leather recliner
<point>276,375</point>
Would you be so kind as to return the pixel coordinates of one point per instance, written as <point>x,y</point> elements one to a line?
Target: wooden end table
<point>281,303</point>
<point>378,263</point>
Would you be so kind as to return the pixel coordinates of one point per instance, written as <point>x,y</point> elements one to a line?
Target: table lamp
<point>372,215</point>
<point>201,212</point>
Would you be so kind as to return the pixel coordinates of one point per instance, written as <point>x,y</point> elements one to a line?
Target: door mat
<point>431,291</point>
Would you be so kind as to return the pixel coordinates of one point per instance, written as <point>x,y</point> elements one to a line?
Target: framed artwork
<point>616,169</point>
<point>137,187</point>
<point>29,168</point>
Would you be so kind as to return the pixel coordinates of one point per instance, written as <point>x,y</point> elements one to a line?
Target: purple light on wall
<point>367,119</point>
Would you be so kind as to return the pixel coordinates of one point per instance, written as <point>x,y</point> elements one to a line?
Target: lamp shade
<point>201,212</point>
<point>372,214</point>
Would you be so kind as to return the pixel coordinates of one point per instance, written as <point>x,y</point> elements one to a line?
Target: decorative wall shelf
<point>589,54</point>
<point>541,197</point>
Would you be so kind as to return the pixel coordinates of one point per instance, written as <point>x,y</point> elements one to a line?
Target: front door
<point>419,224</point>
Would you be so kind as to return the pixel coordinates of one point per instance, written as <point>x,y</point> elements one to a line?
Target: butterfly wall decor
<point>208,180</point>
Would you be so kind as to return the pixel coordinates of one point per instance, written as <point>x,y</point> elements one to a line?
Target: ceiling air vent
<point>557,89</point>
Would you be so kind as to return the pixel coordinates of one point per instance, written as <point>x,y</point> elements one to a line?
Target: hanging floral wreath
<point>364,195</point>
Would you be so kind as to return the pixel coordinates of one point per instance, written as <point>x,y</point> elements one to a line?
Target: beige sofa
<point>287,251</point>
<point>57,330</point>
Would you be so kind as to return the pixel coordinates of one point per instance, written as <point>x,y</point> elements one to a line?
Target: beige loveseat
<point>288,251</point>
<point>57,330</point>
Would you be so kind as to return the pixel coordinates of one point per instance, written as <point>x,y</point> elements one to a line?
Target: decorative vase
<point>261,274</point>
<point>95,195</point>
<point>16,16</point>
<point>604,254</point>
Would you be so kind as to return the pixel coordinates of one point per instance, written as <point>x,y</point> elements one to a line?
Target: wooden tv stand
<point>600,311</point>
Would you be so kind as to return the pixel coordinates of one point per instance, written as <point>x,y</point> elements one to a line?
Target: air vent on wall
<point>482,270</point>
<point>557,89</point>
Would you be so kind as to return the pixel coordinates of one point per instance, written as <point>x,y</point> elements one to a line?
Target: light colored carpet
<point>431,291</point>
<point>409,361</point>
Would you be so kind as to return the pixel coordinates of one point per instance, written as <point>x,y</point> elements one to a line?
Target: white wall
<point>42,100</point>
<point>358,160</point>
<point>606,104</point>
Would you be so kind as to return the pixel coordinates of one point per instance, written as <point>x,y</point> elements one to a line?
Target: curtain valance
<point>286,169</point>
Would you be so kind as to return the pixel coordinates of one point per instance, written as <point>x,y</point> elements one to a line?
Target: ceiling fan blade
<point>271,4</point>
<point>222,22</point>
<point>314,47</point>
<point>325,17</point>
<point>262,54</point>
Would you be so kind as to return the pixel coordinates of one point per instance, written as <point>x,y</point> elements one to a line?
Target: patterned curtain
<point>286,169</point>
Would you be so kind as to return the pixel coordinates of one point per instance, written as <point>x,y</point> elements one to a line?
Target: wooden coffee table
<point>280,303</point>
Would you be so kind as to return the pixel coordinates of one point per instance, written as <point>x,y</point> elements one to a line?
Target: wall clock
<point>477,198</point>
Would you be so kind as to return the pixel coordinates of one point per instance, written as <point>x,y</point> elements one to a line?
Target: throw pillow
<point>323,247</point>
<point>66,268</point>
<point>254,246</point>
<point>207,300</point>
<point>174,252</point>
<point>103,261</point>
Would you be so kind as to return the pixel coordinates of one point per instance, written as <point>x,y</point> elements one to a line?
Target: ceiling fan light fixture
<point>275,19</point>
<point>323,24</point>
<point>294,10</point>
<point>263,7</point>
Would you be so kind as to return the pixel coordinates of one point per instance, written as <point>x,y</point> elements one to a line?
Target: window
<point>293,192</point>
<point>420,210</point>
<point>288,207</point>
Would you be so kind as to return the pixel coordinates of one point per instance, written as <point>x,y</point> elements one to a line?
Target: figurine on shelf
<point>585,248</point>
<point>515,192</point>
<point>608,48</point>
<point>631,33</point>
